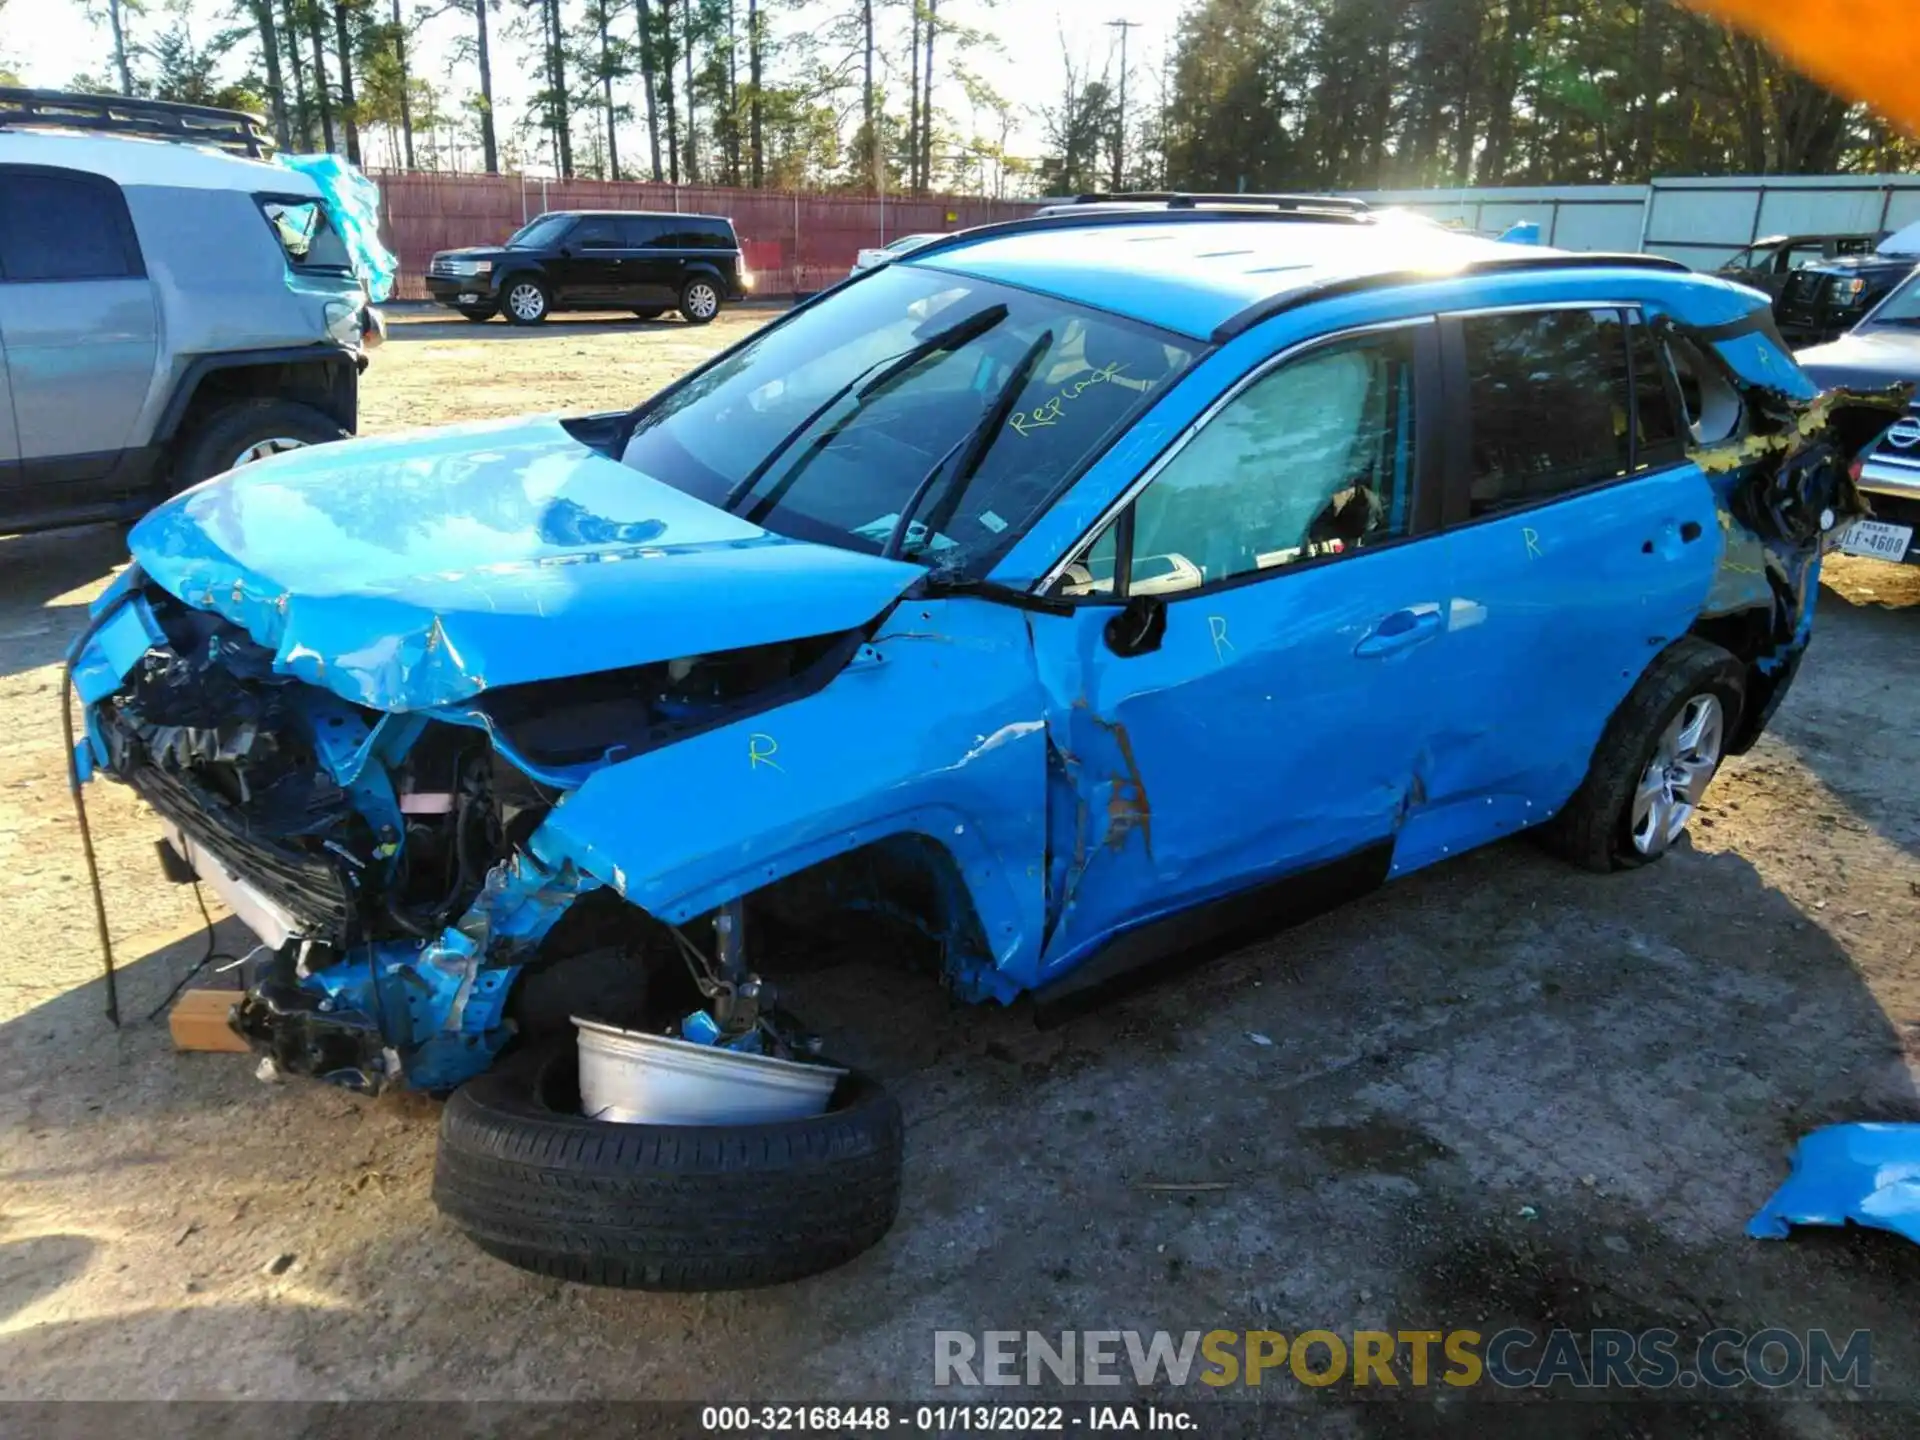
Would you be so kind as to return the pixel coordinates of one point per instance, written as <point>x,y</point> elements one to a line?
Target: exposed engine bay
<point>390,863</point>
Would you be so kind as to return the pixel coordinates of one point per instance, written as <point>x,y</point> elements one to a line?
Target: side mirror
<point>1139,627</point>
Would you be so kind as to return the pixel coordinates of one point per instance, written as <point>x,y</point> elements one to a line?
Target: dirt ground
<point>1498,1092</point>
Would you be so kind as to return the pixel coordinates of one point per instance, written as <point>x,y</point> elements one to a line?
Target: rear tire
<point>662,1207</point>
<point>700,300</point>
<point>1691,684</point>
<point>525,301</point>
<point>246,430</point>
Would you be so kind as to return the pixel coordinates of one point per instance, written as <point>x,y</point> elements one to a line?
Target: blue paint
<point>440,1005</point>
<point>1866,1174</point>
<point>413,571</point>
<point>116,647</point>
<point>777,793</point>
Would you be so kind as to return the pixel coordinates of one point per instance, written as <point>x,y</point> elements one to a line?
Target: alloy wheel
<point>1670,788</point>
<point>260,449</point>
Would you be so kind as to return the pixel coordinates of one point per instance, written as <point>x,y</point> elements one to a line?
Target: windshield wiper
<point>954,336</point>
<point>972,447</point>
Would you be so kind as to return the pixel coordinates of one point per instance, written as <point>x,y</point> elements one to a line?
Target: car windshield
<point>1901,307</point>
<point>831,425</point>
<point>907,242</point>
<point>543,231</point>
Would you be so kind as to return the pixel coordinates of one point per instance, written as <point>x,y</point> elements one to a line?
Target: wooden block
<point>199,1021</point>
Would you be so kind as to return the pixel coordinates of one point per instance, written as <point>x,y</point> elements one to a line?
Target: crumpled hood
<point>415,570</point>
<point>1864,358</point>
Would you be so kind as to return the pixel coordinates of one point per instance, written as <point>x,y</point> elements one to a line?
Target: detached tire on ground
<point>248,430</point>
<point>1659,752</point>
<point>663,1207</point>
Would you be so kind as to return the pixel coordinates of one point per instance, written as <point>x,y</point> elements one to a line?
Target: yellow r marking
<point>761,750</point>
<point>1532,537</point>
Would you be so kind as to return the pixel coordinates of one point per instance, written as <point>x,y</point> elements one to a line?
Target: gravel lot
<point>1500,1092</point>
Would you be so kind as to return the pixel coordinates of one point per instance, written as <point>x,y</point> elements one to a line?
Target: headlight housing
<point>469,267</point>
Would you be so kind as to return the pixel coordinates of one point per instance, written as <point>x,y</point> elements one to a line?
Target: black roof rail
<point>237,131</point>
<point>1193,200</point>
<point>1286,300</point>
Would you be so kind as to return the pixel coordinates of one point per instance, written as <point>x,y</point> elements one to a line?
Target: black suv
<point>1822,302</point>
<point>645,262</point>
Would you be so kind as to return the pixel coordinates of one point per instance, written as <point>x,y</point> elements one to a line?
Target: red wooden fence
<point>794,241</point>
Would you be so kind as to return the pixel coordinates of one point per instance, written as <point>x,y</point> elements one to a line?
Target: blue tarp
<point>353,202</point>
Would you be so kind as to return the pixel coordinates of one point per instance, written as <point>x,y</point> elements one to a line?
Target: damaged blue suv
<point>1012,599</point>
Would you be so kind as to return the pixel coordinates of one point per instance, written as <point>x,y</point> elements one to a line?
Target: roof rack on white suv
<point>1327,206</point>
<point>236,131</point>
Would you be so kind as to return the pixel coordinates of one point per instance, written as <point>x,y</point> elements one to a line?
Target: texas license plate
<point>1877,539</point>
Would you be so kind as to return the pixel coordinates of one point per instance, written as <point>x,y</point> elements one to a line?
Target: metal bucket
<point>638,1079</point>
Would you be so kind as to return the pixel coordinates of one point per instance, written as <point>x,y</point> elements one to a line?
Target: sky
<point>49,41</point>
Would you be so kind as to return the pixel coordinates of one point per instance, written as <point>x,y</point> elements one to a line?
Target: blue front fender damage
<point>932,739</point>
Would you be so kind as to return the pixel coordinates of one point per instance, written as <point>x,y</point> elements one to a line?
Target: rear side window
<point>697,235</point>
<point>1548,404</point>
<point>1661,437</point>
<point>305,233</point>
<point>640,231</point>
<point>62,225</point>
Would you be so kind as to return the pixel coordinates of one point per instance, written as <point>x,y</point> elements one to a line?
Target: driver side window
<point>1311,461</point>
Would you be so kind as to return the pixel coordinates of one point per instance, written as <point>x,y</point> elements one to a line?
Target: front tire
<point>247,430</point>
<point>478,314</point>
<point>663,1207</point>
<point>525,301</point>
<point>1659,752</point>
<point>700,300</point>
<point>651,314</point>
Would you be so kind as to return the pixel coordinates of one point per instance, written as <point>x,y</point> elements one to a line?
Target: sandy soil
<point>1499,1092</point>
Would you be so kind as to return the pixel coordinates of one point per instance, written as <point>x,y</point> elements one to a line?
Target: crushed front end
<point>387,862</point>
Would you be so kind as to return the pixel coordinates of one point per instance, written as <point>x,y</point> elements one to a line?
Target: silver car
<point>172,306</point>
<point>892,250</point>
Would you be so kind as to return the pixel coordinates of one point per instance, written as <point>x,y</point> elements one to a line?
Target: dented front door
<point>1274,727</point>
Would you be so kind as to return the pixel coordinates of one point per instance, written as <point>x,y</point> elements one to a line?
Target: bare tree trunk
<point>262,12</point>
<point>557,80</point>
<point>320,73</point>
<point>120,47</point>
<point>693,114</point>
<point>753,100</point>
<point>733,101</point>
<point>926,103</point>
<point>406,101</point>
<point>667,90</point>
<point>489,145</point>
<point>866,96</point>
<point>347,118</point>
<point>913,103</point>
<point>644,15</point>
<point>298,66</point>
<point>606,84</point>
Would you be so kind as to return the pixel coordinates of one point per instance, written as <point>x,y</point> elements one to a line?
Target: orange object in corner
<point>1867,50</point>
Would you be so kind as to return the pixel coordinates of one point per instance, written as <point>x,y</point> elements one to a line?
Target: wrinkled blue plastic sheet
<point>1866,1173</point>
<point>353,201</point>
